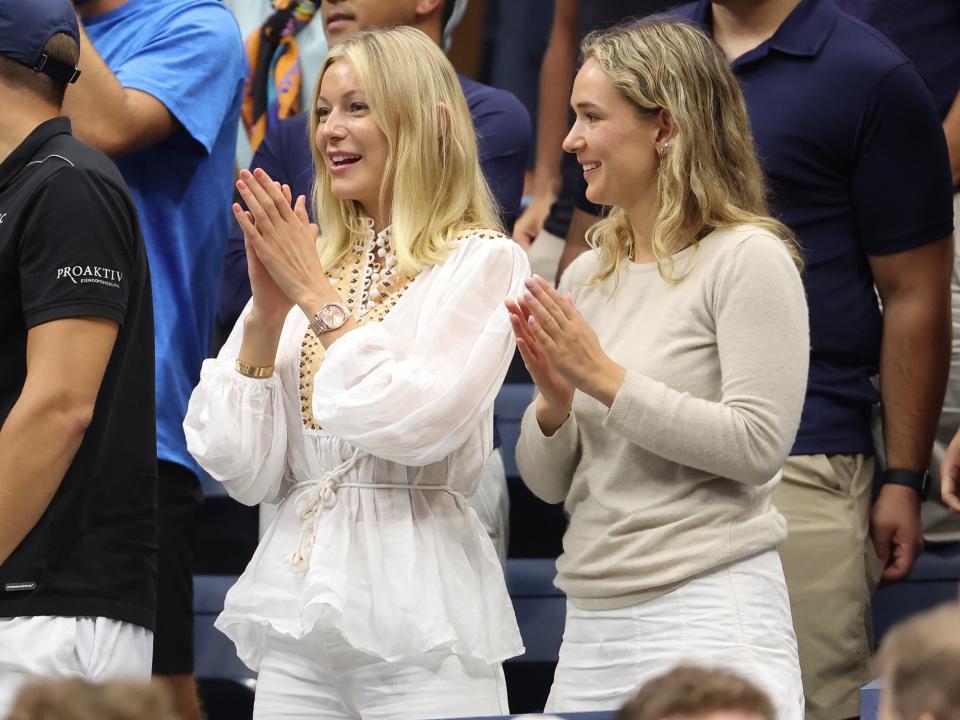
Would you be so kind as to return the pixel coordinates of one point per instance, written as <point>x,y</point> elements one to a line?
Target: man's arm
<point>44,429</point>
<point>556,81</point>
<point>951,128</point>
<point>914,287</point>
<point>112,118</point>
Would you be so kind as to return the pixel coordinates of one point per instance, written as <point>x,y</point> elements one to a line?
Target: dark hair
<point>691,691</point>
<point>60,46</point>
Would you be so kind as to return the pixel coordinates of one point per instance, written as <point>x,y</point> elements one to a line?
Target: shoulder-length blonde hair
<point>709,177</point>
<point>432,185</point>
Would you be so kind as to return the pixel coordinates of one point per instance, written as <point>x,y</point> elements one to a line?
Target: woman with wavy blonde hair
<point>671,366</point>
<point>356,391</point>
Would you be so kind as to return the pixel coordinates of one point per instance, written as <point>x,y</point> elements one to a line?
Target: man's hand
<point>896,531</point>
<point>531,220</point>
<point>950,475</point>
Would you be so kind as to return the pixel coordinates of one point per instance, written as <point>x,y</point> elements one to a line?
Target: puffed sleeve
<point>414,388</point>
<point>235,426</point>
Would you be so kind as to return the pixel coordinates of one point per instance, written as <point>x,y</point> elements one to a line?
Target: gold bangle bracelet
<point>252,371</point>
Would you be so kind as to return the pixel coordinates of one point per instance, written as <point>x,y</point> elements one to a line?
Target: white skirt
<point>736,618</point>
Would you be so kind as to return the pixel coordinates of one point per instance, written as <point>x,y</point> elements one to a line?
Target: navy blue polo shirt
<point>853,150</point>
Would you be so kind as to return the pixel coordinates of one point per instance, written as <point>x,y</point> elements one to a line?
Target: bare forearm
<point>38,442</point>
<point>914,363</point>
<point>556,81</point>
<point>111,118</point>
<point>261,336</point>
<point>951,128</point>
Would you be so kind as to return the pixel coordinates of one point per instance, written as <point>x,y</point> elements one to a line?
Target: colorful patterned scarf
<point>272,89</point>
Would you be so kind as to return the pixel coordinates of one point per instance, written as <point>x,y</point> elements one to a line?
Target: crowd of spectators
<point>781,388</point>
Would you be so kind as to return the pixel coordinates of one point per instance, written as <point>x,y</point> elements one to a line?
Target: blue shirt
<point>851,144</point>
<point>928,34</point>
<point>503,135</point>
<point>187,54</point>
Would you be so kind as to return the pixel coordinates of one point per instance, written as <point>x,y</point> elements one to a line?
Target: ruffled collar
<point>370,239</point>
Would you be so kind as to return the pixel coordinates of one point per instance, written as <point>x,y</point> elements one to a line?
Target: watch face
<point>333,315</point>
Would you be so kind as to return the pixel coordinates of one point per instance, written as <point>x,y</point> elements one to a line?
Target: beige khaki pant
<point>831,570</point>
<point>544,255</point>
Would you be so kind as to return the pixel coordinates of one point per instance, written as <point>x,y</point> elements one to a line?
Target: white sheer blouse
<point>373,536</point>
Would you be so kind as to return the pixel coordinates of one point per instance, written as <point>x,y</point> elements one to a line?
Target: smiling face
<point>353,147</point>
<point>344,18</point>
<point>613,142</point>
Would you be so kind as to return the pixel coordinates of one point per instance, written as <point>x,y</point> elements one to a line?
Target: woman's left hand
<point>569,342</point>
<point>285,240</point>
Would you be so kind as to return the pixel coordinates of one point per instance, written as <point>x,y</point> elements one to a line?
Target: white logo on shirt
<point>3,216</point>
<point>91,274</point>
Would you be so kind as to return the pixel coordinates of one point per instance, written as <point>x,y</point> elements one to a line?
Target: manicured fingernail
<point>241,184</point>
<point>259,172</point>
<point>527,296</point>
<point>529,282</point>
<point>244,173</point>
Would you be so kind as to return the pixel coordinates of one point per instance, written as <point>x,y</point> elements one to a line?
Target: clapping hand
<point>283,241</point>
<point>560,349</point>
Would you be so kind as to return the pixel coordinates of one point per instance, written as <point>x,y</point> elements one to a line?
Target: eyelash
<point>356,107</point>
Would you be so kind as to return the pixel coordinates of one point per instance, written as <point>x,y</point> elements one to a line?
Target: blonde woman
<point>357,391</point>
<point>671,367</point>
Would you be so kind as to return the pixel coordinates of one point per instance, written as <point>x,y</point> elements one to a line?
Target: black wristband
<point>916,479</point>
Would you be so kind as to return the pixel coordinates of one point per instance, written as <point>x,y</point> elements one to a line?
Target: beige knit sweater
<point>675,478</point>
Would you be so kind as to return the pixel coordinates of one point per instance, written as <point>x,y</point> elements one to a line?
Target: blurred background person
<point>919,662</point>
<point>81,700</point>
<point>78,473</point>
<point>697,693</point>
<point>162,92</point>
<point>873,216</point>
<point>931,40</point>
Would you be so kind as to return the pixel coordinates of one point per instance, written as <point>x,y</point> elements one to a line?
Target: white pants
<point>736,618</point>
<point>98,649</point>
<point>322,677</point>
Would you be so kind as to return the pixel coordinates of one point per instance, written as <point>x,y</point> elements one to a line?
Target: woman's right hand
<point>268,299</point>
<point>556,392</point>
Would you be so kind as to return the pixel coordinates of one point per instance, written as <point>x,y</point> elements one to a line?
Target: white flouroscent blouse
<point>370,449</point>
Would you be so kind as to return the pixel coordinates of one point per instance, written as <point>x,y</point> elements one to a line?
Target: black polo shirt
<point>70,246</point>
<point>852,147</point>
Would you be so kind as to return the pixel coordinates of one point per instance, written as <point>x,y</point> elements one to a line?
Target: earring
<point>662,150</point>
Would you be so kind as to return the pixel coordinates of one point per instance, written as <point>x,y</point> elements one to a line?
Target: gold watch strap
<point>252,371</point>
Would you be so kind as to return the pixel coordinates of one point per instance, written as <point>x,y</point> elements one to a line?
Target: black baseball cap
<point>27,25</point>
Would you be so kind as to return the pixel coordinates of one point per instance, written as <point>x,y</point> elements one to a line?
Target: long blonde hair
<point>433,176</point>
<point>709,177</point>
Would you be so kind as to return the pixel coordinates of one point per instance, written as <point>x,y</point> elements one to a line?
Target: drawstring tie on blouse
<point>323,493</point>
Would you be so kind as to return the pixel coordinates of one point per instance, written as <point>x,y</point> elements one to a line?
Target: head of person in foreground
<point>919,661</point>
<point>695,693</point>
